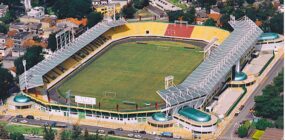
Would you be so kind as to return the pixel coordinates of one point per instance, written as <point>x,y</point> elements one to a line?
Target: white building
<point>37,12</point>
<point>3,10</point>
<point>270,42</point>
<point>164,5</point>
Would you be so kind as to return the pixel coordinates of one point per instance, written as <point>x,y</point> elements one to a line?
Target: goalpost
<point>181,22</point>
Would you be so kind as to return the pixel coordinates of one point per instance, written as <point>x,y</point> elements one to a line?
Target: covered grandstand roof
<point>194,114</point>
<point>34,76</point>
<point>203,80</point>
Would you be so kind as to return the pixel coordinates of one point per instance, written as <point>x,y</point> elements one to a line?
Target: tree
<point>6,79</point>
<point>137,4</point>
<point>49,133</point>
<point>242,131</point>
<point>225,22</point>
<point>94,18</point>
<point>52,45</point>
<point>262,124</point>
<point>17,136</point>
<point>76,132</point>
<point>270,103</point>
<point>72,8</point>
<point>9,17</point>
<point>3,133</point>
<point>32,56</point>
<point>227,10</point>
<point>38,3</point>
<point>3,28</point>
<point>240,2</point>
<point>189,15</point>
<point>66,135</point>
<point>128,10</point>
<point>277,24</point>
<point>210,22</point>
<point>11,2</point>
<point>279,82</point>
<point>251,13</point>
<point>250,1</point>
<point>95,137</point>
<point>279,123</point>
<point>265,11</point>
<point>86,134</point>
<point>239,13</point>
<point>175,15</point>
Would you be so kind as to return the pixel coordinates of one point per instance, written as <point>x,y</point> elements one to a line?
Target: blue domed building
<point>19,101</point>
<point>161,120</point>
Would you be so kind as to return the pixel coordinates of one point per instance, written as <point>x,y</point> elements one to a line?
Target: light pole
<point>68,102</point>
<point>25,73</point>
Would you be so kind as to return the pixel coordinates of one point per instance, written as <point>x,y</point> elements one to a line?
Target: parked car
<point>241,107</point>
<point>120,129</point>
<point>30,117</point>
<point>101,131</point>
<point>237,113</point>
<point>19,116</point>
<point>111,132</point>
<point>23,121</point>
<point>177,137</point>
<point>138,136</point>
<point>167,134</point>
<point>136,131</point>
<point>142,132</point>
<point>130,135</point>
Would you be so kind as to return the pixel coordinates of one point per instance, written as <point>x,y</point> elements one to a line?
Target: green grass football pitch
<point>133,72</point>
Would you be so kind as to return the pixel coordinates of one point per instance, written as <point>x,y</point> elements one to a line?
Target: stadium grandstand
<point>200,85</point>
<point>34,76</point>
<point>195,92</point>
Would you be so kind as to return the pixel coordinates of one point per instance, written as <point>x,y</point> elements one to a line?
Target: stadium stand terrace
<point>200,85</point>
<point>204,33</point>
<point>179,30</point>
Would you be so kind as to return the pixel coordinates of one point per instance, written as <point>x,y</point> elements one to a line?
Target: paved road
<point>93,129</point>
<point>244,114</point>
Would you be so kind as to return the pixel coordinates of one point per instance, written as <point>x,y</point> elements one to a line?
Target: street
<point>228,134</point>
<point>93,129</point>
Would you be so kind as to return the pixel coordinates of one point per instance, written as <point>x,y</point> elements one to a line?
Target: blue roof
<point>268,36</point>
<point>21,99</point>
<point>194,114</point>
<point>240,76</point>
<point>161,117</point>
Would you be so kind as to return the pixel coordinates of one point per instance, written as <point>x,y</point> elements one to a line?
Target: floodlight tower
<point>25,73</point>
<point>68,96</point>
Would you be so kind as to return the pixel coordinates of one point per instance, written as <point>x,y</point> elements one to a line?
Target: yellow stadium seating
<point>69,63</point>
<point>158,29</point>
<point>208,33</point>
<point>136,29</point>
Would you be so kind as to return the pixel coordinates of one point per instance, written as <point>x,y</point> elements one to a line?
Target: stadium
<point>160,73</point>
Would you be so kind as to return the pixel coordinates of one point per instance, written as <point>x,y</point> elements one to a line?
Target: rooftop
<point>3,6</point>
<point>272,134</point>
<point>194,114</point>
<point>21,35</point>
<point>82,22</point>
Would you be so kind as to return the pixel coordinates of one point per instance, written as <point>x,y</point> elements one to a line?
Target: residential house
<point>3,10</point>
<point>20,38</point>
<point>164,5</point>
<point>36,12</point>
